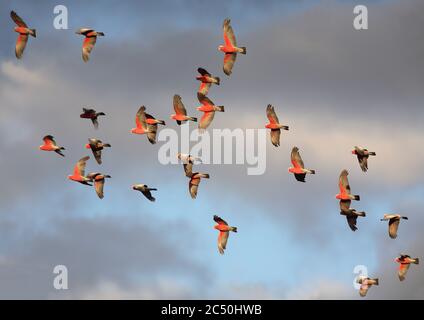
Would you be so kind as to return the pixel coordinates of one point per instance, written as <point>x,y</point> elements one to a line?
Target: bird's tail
<point>285,127</point>
<point>153,189</point>
<point>107,176</point>
<point>206,175</point>
<point>101,114</point>
<point>376,281</point>
<point>100,34</point>
<point>58,151</point>
<point>361,214</point>
<point>356,197</point>
<point>218,80</point>
<point>161,122</point>
<point>372,153</point>
<point>233,229</point>
<point>417,261</point>
<point>107,145</point>
<point>192,119</point>
<point>220,108</point>
<point>33,32</point>
<point>312,171</point>
<point>243,50</point>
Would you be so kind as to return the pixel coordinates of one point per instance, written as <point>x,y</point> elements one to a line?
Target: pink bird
<point>224,232</point>
<point>298,168</point>
<point>206,80</point>
<point>345,193</point>
<point>140,122</point>
<point>50,145</point>
<point>89,41</point>
<point>23,31</point>
<point>92,115</point>
<point>230,47</point>
<point>366,283</point>
<point>180,111</point>
<point>209,108</point>
<point>99,182</point>
<point>152,125</point>
<point>274,125</point>
<point>404,262</point>
<point>79,172</point>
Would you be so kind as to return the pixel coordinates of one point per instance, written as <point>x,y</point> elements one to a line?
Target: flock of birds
<point>148,125</point>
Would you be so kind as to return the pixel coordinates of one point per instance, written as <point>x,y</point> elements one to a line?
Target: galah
<point>366,283</point>
<point>350,213</point>
<point>97,146</point>
<point>99,181</point>
<point>186,158</point>
<point>79,172</point>
<point>50,145</point>
<point>195,178</point>
<point>404,262</point>
<point>298,168</point>
<point>140,122</point>
<point>394,220</point>
<point>224,232</point>
<point>152,125</point>
<point>363,154</point>
<point>89,41</point>
<point>145,190</point>
<point>209,108</point>
<point>92,115</point>
<point>230,47</point>
<point>23,31</point>
<point>274,125</point>
<point>206,80</point>
<point>180,111</point>
<point>345,193</point>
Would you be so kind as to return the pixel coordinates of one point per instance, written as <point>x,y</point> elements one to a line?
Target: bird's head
<point>87,146</point>
<point>353,151</point>
<point>221,48</point>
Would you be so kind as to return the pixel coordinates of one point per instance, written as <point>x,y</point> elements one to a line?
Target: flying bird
<point>404,262</point>
<point>363,154</point>
<point>50,145</point>
<point>366,283</point>
<point>230,47</point>
<point>298,168</point>
<point>209,108</point>
<point>186,158</point>
<point>180,111</point>
<point>206,80</point>
<point>345,193</point>
<point>99,182</point>
<point>145,190</point>
<point>97,146</point>
<point>79,172</point>
<point>350,213</point>
<point>195,179</point>
<point>152,125</point>
<point>140,122</point>
<point>89,41</point>
<point>224,231</point>
<point>394,220</point>
<point>23,31</point>
<point>274,125</point>
<point>92,115</point>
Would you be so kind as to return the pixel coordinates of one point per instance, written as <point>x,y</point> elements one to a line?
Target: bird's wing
<point>403,269</point>
<point>18,20</point>
<point>98,185</point>
<point>204,100</point>
<point>206,119</point>
<point>345,205</point>
<point>87,46</point>
<point>97,155</point>
<point>204,88</point>
<point>80,166</point>
<point>188,169</point>
<point>95,122</point>
<point>351,221</point>
<point>20,45</point>
<point>363,289</point>
<point>203,72</point>
<point>179,106</point>
<point>296,159</point>
<point>193,186</point>
<point>146,192</point>
<point>344,182</point>
<point>219,220</point>
<point>275,136</point>
<point>393,227</point>
<point>49,140</point>
<point>270,113</point>
<point>229,60</point>
<point>229,37</point>
<point>222,241</point>
<point>140,118</point>
<point>363,162</point>
<point>151,135</point>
